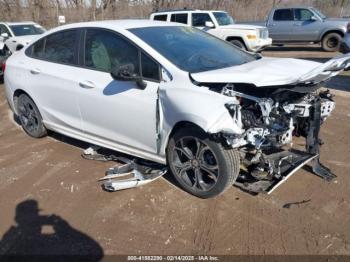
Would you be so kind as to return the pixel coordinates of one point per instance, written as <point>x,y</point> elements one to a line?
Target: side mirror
<point>209,24</point>
<point>5,35</point>
<point>19,47</point>
<point>314,18</point>
<point>126,72</point>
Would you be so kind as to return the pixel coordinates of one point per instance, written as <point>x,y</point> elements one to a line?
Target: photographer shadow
<point>39,235</point>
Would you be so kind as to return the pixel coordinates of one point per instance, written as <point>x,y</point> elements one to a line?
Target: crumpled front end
<point>272,118</point>
<point>280,101</point>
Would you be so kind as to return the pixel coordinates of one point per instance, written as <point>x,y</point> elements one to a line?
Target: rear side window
<point>283,15</point>
<point>38,49</point>
<point>199,19</point>
<point>59,47</point>
<point>105,50</point>
<point>179,18</point>
<point>160,17</point>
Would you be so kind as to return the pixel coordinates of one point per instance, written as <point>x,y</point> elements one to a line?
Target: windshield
<point>191,49</point>
<point>21,30</point>
<point>318,12</point>
<point>223,18</point>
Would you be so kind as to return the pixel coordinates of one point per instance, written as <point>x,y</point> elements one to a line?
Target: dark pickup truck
<point>305,25</point>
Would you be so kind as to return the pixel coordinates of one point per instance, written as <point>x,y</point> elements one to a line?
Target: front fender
<point>196,105</point>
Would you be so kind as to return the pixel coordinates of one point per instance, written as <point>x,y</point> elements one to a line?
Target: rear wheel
<point>331,42</point>
<point>30,117</point>
<point>201,166</point>
<point>238,43</point>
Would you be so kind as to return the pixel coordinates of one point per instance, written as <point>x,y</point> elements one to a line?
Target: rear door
<point>118,112</point>
<point>281,25</point>
<point>305,26</point>
<point>51,78</point>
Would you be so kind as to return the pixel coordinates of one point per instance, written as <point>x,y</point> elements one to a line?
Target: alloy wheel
<point>195,163</point>
<point>28,116</point>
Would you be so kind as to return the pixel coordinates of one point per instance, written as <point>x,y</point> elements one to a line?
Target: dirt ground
<point>77,216</point>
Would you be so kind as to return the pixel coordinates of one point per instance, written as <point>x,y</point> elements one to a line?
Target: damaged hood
<point>276,71</point>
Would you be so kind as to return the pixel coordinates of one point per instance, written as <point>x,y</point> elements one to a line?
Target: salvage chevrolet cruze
<point>173,94</point>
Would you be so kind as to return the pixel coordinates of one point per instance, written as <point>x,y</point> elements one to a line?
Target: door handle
<point>87,84</point>
<point>35,71</point>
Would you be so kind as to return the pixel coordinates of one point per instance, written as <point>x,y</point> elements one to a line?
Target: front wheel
<point>201,166</point>
<point>331,42</point>
<point>238,43</point>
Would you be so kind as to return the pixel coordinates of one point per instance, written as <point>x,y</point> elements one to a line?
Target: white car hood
<point>276,71</point>
<point>241,27</point>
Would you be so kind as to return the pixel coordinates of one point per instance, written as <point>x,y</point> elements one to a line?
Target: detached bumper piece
<point>282,165</point>
<point>129,173</point>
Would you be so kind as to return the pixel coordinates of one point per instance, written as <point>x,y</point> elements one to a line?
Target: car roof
<point>20,23</point>
<point>119,24</point>
<point>293,7</point>
<point>185,11</point>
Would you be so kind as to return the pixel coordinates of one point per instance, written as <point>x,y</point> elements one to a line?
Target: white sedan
<point>174,95</point>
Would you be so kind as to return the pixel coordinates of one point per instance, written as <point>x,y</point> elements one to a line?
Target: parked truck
<point>305,25</point>
<point>220,24</point>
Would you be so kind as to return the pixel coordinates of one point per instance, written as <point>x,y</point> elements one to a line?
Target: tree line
<point>46,12</point>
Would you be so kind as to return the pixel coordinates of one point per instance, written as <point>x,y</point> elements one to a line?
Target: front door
<point>118,112</point>
<point>307,26</point>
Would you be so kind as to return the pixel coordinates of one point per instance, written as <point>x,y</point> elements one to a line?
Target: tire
<point>30,117</point>
<point>331,42</point>
<point>238,43</point>
<point>206,172</point>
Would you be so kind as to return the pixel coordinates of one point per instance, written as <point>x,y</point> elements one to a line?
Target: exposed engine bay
<point>271,117</point>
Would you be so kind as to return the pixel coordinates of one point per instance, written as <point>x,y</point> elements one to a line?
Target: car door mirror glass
<point>126,72</point>
<point>209,24</point>
<point>5,35</point>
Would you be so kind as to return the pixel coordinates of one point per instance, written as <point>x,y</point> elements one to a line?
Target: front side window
<point>59,47</point>
<point>105,50</point>
<point>21,30</point>
<point>150,68</point>
<point>191,49</point>
<point>179,18</point>
<point>283,15</point>
<point>223,18</point>
<point>160,17</point>
<point>303,14</point>
<point>319,13</point>
<point>199,19</point>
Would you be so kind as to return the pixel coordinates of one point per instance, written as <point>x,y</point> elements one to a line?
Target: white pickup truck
<point>220,24</point>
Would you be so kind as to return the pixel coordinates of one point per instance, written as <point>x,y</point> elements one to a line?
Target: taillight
<point>3,67</point>
<point>348,28</point>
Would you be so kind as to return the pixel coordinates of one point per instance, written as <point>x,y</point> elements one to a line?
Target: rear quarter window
<point>179,18</point>
<point>60,47</point>
<point>160,17</point>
